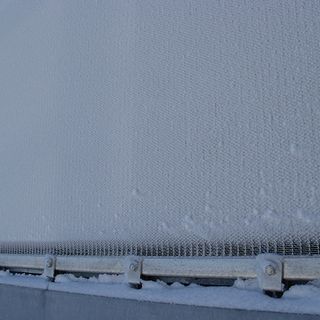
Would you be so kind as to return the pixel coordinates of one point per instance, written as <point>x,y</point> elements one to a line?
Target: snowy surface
<point>243,295</point>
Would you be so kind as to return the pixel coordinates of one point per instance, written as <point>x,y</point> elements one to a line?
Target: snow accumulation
<point>244,294</point>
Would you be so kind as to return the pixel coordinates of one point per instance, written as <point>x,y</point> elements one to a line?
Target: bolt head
<point>133,267</point>
<point>270,270</point>
<point>49,263</point>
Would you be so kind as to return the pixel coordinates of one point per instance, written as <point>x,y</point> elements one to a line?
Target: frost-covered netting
<point>160,127</point>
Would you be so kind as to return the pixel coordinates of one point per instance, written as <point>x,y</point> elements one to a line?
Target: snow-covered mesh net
<point>160,127</point>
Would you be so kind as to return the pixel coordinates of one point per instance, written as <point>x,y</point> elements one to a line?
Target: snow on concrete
<point>23,280</point>
<point>244,294</point>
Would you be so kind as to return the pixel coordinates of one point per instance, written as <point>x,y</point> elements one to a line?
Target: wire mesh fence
<point>165,248</point>
<point>163,128</point>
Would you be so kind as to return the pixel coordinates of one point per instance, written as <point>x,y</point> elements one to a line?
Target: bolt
<point>270,270</point>
<point>133,267</point>
<point>49,263</point>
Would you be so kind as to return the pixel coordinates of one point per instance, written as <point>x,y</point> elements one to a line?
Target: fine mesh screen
<point>160,127</point>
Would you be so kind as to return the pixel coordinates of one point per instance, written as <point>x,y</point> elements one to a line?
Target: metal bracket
<point>49,266</point>
<point>134,271</point>
<point>270,272</point>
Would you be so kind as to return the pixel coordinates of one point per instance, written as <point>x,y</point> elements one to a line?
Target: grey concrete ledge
<point>33,303</point>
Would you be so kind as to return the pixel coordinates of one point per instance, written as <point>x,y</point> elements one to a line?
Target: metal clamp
<point>270,272</point>
<point>134,271</point>
<point>49,266</point>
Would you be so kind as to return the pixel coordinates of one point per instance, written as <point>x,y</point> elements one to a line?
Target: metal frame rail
<point>270,269</point>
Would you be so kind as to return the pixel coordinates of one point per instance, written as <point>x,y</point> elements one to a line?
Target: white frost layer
<point>243,295</point>
<point>163,120</point>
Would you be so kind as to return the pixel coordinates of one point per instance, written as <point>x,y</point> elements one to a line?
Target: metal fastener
<point>49,263</point>
<point>270,270</point>
<point>133,267</point>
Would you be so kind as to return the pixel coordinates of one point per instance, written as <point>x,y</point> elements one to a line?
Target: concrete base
<point>17,303</point>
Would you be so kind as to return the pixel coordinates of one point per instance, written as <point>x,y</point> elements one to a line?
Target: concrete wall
<point>19,303</point>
